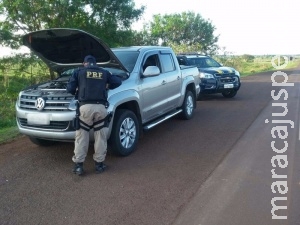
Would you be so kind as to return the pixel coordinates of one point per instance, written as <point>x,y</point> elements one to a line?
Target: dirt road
<point>151,186</point>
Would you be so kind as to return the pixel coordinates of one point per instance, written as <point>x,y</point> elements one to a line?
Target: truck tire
<point>229,94</point>
<point>125,132</point>
<point>188,106</point>
<point>41,142</point>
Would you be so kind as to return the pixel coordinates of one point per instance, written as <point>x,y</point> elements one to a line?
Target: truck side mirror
<point>151,71</point>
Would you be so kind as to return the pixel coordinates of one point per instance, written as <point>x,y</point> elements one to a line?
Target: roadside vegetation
<point>185,32</point>
<point>248,64</point>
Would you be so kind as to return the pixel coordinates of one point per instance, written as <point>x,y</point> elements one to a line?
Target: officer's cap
<point>89,59</point>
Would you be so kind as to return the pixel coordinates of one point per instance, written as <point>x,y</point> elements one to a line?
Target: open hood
<point>63,48</point>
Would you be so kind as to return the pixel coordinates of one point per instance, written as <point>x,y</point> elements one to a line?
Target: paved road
<point>183,172</point>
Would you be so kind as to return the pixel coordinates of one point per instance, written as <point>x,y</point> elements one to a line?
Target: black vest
<point>92,84</point>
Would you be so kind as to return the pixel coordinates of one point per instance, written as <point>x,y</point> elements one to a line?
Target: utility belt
<point>77,123</point>
<point>102,102</point>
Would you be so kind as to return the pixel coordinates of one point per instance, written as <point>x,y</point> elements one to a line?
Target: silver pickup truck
<point>154,88</point>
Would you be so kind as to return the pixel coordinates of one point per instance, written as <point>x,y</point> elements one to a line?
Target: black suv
<point>215,78</point>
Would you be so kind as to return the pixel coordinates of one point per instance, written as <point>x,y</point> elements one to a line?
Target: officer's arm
<point>73,83</point>
<point>113,81</point>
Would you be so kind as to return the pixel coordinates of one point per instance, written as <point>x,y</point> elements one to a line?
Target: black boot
<point>99,167</point>
<point>78,168</point>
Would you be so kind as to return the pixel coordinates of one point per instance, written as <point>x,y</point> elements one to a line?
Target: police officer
<point>90,84</point>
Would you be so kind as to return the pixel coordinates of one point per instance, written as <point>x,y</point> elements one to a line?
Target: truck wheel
<point>125,132</point>
<point>41,142</point>
<point>229,94</point>
<point>188,106</point>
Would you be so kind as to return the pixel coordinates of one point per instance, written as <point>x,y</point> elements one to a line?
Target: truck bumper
<point>208,86</point>
<point>59,135</point>
<point>59,127</point>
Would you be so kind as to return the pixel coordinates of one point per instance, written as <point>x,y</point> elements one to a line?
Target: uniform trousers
<point>89,114</point>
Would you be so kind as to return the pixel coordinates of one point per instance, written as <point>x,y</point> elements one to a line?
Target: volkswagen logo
<point>40,104</point>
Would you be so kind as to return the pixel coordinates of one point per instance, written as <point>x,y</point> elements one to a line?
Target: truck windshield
<point>67,73</point>
<point>203,62</point>
<point>127,58</point>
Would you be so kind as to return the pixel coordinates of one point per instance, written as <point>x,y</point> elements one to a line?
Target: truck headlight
<point>72,105</point>
<point>206,75</point>
<point>19,100</point>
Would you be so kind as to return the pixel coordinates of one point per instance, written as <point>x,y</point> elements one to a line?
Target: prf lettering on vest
<point>95,75</point>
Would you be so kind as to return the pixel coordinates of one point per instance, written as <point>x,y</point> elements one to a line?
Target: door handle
<point>163,82</point>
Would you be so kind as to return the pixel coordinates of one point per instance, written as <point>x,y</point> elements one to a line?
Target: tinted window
<point>181,61</point>
<point>212,63</point>
<point>152,60</point>
<point>167,62</point>
<point>68,72</point>
<point>203,62</point>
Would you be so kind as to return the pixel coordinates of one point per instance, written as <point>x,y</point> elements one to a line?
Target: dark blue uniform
<point>90,84</point>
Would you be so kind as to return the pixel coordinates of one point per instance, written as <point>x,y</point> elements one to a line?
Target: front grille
<point>224,74</point>
<point>53,103</point>
<point>54,125</point>
<point>227,78</point>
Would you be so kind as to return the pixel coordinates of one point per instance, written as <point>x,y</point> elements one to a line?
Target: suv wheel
<point>229,94</point>
<point>188,106</point>
<point>125,132</point>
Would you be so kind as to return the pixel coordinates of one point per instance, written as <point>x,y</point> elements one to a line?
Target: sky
<point>256,27</point>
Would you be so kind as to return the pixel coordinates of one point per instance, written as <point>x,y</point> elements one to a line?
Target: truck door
<point>173,78</point>
<point>154,93</point>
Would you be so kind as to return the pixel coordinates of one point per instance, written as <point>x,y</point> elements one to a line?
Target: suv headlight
<point>206,75</point>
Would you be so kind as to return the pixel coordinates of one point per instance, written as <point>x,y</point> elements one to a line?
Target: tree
<point>182,48</point>
<point>109,20</point>
<point>144,37</point>
<point>185,29</point>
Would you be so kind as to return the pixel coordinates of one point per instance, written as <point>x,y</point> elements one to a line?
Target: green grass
<point>254,64</point>
<point>8,134</point>
<point>257,67</point>
<point>252,68</point>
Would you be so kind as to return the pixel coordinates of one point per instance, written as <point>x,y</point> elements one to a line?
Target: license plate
<point>38,119</point>
<point>228,85</point>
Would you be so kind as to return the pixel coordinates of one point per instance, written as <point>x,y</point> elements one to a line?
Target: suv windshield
<point>203,62</point>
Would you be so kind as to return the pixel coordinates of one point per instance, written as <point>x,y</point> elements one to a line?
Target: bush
<point>9,89</point>
<point>17,73</point>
